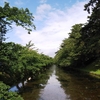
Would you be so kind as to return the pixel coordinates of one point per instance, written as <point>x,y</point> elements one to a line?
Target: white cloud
<point>54,28</point>
<point>18,2</point>
<point>42,10</point>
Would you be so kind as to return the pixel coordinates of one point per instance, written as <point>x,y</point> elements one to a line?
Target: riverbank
<point>93,68</point>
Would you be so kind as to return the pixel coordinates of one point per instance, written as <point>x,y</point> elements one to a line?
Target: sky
<point>53,21</point>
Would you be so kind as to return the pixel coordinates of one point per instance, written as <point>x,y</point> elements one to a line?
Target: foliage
<point>5,94</point>
<point>69,49</point>
<point>90,32</point>
<point>82,47</point>
<point>17,62</point>
<point>9,15</point>
<point>22,63</point>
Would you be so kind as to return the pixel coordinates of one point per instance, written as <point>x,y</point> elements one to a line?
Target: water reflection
<point>56,84</point>
<point>53,89</point>
<point>79,86</point>
<point>32,89</point>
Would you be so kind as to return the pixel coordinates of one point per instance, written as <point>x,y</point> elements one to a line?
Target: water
<point>56,84</point>
<point>53,89</point>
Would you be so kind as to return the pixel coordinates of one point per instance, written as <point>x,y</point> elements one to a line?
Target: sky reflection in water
<point>53,90</point>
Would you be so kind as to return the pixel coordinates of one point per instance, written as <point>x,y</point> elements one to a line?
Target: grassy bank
<point>93,68</point>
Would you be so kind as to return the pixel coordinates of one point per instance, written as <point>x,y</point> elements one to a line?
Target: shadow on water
<point>56,84</point>
<point>79,86</point>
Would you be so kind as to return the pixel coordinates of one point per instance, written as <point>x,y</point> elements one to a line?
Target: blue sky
<point>53,21</point>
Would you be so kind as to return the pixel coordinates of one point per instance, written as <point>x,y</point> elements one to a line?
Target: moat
<point>56,84</point>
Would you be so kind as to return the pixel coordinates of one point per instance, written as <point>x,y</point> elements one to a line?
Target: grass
<point>93,68</point>
<point>96,72</point>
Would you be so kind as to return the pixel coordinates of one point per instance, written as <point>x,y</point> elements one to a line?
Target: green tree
<point>71,49</point>
<point>21,17</point>
<point>90,31</point>
<point>83,45</point>
<point>11,59</point>
<point>19,62</point>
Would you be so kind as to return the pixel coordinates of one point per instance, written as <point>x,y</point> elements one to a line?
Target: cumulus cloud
<point>53,25</point>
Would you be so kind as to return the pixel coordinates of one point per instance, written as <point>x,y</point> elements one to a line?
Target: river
<point>56,84</point>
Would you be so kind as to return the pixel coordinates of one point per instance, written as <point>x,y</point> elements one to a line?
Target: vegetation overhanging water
<point>56,84</point>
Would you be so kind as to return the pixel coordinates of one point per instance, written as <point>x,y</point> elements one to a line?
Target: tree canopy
<point>17,62</point>
<point>82,47</point>
<point>9,15</point>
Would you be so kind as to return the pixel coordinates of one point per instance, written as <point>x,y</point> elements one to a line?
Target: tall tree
<point>70,50</point>
<point>91,31</point>
<point>21,17</point>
